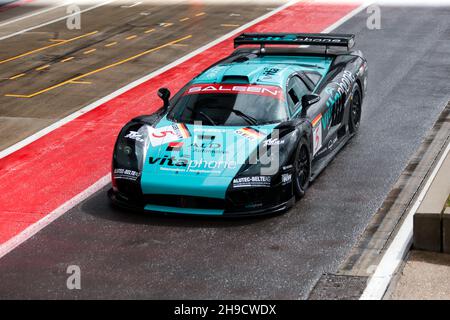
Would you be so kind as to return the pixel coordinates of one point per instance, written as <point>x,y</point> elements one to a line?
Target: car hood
<point>185,159</point>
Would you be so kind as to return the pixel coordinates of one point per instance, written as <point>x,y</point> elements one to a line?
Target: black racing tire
<point>355,110</point>
<point>302,169</point>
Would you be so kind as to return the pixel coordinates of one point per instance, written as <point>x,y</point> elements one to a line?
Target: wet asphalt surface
<point>124,255</point>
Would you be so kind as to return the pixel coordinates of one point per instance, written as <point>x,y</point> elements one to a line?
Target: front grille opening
<point>182,201</point>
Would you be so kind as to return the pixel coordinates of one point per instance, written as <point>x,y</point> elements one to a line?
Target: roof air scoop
<point>235,79</point>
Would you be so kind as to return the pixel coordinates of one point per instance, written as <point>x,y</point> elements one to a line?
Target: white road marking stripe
<point>131,5</point>
<point>393,257</point>
<point>55,20</point>
<point>35,14</point>
<point>347,17</point>
<point>14,242</point>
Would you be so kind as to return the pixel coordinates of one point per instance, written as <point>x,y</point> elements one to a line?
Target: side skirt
<point>322,163</point>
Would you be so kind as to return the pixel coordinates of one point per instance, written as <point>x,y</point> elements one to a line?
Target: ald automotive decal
<point>176,131</point>
<point>268,91</point>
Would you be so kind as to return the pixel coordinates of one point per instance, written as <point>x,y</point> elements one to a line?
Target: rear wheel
<point>355,110</point>
<point>302,166</point>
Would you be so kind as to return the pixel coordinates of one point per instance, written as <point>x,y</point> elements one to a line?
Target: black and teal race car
<point>248,134</point>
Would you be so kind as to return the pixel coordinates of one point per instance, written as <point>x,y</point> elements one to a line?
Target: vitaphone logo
<point>320,40</point>
<point>299,39</point>
<point>343,86</point>
<point>170,161</point>
<point>191,164</point>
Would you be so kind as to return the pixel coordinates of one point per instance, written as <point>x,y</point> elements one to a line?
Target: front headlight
<point>132,146</point>
<point>129,154</point>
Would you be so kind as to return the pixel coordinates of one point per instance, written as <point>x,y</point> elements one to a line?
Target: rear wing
<point>310,39</point>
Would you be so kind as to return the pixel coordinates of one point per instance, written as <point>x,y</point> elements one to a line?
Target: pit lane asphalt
<point>44,59</point>
<point>125,255</point>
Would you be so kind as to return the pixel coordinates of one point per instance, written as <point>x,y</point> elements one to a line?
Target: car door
<point>296,89</point>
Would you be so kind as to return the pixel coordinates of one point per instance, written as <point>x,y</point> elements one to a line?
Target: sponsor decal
<point>331,143</point>
<point>190,165</point>
<point>134,135</point>
<point>181,130</point>
<point>249,133</point>
<point>336,91</point>
<point>174,146</point>
<point>212,147</point>
<point>295,38</point>
<point>273,142</point>
<point>328,147</point>
<point>255,181</point>
<point>319,40</point>
<point>317,133</point>
<point>270,71</point>
<point>168,134</point>
<point>286,178</point>
<point>126,174</point>
<point>261,90</point>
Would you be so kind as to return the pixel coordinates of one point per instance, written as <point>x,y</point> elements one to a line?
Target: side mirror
<point>307,101</point>
<point>164,94</point>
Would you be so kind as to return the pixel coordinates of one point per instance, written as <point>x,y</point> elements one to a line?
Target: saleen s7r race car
<point>248,134</point>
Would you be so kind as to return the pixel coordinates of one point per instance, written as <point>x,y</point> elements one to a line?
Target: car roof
<point>263,69</point>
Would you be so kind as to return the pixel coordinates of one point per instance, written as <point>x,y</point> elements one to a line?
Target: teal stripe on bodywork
<point>210,212</point>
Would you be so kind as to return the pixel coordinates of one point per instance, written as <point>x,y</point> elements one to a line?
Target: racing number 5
<point>162,134</point>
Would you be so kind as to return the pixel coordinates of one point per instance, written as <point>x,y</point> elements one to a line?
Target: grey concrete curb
<point>431,225</point>
<point>381,230</point>
<point>446,230</point>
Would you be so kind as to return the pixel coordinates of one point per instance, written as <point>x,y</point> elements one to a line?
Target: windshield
<point>230,105</point>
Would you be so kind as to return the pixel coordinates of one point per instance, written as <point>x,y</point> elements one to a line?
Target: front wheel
<point>302,166</point>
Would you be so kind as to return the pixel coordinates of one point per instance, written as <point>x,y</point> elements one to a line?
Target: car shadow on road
<point>99,206</point>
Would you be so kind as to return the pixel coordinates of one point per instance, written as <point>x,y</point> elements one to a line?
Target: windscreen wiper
<point>249,119</point>
<point>246,117</point>
<point>204,115</point>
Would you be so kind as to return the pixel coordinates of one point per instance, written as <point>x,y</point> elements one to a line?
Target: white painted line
<point>15,241</point>
<point>33,229</point>
<point>397,250</point>
<point>34,14</point>
<point>55,20</point>
<point>347,17</point>
<point>131,5</point>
